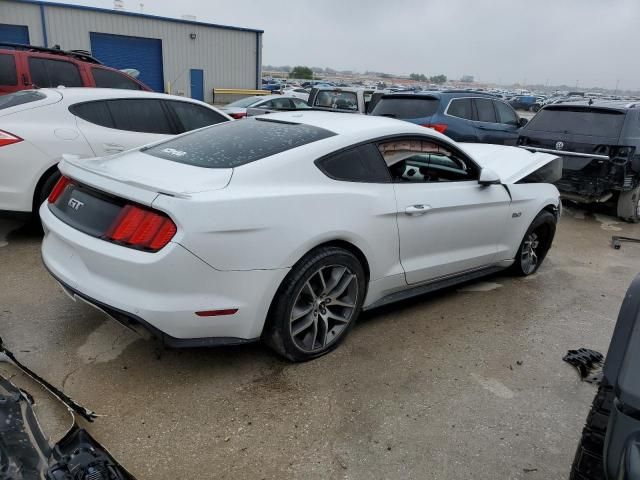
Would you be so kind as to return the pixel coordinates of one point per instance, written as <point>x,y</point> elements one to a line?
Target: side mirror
<point>522,122</point>
<point>488,177</point>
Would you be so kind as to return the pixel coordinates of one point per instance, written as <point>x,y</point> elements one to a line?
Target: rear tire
<point>42,194</point>
<point>317,304</point>
<point>629,205</point>
<point>588,463</point>
<point>535,244</point>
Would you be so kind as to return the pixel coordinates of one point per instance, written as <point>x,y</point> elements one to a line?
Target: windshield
<point>232,144</point>
<point>578,121</point>
<point>245,102</point>
<point>337,99</point>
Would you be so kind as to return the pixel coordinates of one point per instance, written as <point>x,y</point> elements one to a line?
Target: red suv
<point>24,67</point>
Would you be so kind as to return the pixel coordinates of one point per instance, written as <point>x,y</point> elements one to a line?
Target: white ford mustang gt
<point>285,227</point>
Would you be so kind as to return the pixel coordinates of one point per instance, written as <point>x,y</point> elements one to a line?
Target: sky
<point>588,43</point>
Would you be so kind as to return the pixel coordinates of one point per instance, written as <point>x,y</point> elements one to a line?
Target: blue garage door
<point>14,33</point>
<point>143,54</point>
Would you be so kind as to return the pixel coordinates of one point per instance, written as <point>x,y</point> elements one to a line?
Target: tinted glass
<point>20,98</point>
<point>8,73</point>
<point>406,107</point>
<point>108,79</point>
<point>94,112</point>
<point>485,110</point>
<point>300,104</point>
<point>193,116</point>
<point>139,115</point>
<point>52,73</point>
<point>579,121</point>
<point>506,114</point>
<point>232,144</point>
<point>360,164</point>
<point>461,108</point>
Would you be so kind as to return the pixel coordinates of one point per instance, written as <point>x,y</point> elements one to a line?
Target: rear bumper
<point>159,291</point>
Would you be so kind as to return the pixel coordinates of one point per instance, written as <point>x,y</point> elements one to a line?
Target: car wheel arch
<point>41,181</point>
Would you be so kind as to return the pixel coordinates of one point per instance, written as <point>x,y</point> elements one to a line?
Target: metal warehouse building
<point>174,55</point>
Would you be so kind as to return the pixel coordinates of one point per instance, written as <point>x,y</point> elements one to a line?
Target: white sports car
<point>285,227</point>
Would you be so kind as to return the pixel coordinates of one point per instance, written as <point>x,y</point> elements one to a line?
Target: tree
<point>301,72</point>
<point>438,79</point>
<point>418,77</point>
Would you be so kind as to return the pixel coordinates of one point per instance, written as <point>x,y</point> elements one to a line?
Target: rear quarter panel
<point>270,216</point>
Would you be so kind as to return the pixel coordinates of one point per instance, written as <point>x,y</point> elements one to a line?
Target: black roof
<point>620,105</point>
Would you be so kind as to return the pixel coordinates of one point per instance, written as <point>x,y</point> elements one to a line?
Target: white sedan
<point>38,126</point>
<point>284,227</point>
<point>238,109</point>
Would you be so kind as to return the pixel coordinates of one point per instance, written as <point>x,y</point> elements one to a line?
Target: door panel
<point>449,227</point>
<point>197,84</point>
<point>488,128</point>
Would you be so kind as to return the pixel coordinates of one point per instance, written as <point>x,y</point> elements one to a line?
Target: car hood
<point>510,163</point>
<point>146,172</point>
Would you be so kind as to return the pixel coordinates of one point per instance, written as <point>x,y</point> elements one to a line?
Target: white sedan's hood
<point>510,163</point>
<point>146,172</point>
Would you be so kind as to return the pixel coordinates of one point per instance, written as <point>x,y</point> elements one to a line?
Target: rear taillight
<point>238,116</point>
<point>7,138</point>
<point>140,228</point>
<point>59,187</point>
<point>438,127</point>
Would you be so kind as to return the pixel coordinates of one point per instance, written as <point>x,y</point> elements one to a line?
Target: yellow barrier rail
<point>240,92</point>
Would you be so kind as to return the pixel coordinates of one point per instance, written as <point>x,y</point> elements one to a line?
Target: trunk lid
<point>147,175</point>
<point>510,163</point>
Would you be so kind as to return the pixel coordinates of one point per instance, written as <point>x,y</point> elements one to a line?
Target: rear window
<point>406,107</point>
<point>578,121</point>
<point>337,100</point>
<point>109,79</point>
<point>20,98</point>
<point>8,74</point>
<point>232,144</point>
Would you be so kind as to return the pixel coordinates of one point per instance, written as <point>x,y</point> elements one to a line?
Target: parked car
<point>342,99</point>
<point>239,108</point>
<point>461,115</point>
<point>38,126</point>
<point>610,444</point>
<point>522,102</point>
<point>297,92</point>
<point>600,145</point>
<point>284,227</point>
<point>26,67</point>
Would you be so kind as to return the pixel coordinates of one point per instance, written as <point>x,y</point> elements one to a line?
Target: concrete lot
<point>465,383</point>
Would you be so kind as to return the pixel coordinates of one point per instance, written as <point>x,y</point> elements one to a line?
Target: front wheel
<point>317,304</point>
<point>629,205</point>
<point>535,244</point>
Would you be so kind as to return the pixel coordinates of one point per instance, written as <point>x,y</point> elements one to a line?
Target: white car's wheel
<point>535,244</point>
<point>316,305</point>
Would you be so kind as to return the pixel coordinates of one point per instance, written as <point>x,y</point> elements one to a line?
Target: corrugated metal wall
<point>228,57</point>
<point>23,14</point>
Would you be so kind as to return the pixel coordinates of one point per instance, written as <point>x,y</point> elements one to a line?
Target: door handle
<point>416,210</point>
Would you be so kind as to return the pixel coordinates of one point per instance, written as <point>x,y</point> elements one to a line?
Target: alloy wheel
<point>323,308</point>
<point>529,255</point>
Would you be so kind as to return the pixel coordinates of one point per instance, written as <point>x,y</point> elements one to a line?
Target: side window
<point>140,115</point>
<point>93,112</point>
<point>506,114</point>
<point>109,79</point>
<point>359,164</point>
<point>52,73</point>
<point>422,161</point>
<point>484,108</point>
<point>8,73</point>
<point>192,116</point>
<point>299,103</point>
<point>461,108</point>
<point>281,103</point>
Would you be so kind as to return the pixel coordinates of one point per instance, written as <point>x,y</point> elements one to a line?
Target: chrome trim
<point>566,154</point>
